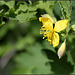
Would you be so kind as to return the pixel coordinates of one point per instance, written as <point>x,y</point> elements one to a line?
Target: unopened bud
<point>73,27</point>
<point>62,49</point>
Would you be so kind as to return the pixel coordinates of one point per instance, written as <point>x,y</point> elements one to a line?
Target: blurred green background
<point>22,49</point>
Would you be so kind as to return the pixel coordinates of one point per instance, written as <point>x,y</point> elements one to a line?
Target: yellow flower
<point>50,32</point>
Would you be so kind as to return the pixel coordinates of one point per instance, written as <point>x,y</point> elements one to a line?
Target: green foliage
<point>66,9</point>
<point>38,60</point>
<point>25,17</point>
<point>22,49</point>
<point>24,12</point>
<point>73,12</point>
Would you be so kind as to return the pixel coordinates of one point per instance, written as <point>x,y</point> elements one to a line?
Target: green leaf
<point>4,49</point>
<point>2,3</point>
<point>66,9</point>
<point>23,42</point>
<point>3,31</point>
<point>47,6</point>
<point>57,10</point>
<point>58,65</point>
<point>2,23</point>
<point>24,7</point>
<point>11,14</point>
<point>73,13</point>
<point>33,59</point>
<point>10,4</point>
<point>71,45</point>
<point>73,3</point>
<point>47,45</point>
<point>35,28</point>
<point>24,17</point>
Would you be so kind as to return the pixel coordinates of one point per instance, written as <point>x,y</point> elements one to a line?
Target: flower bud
<point>73,27</point>
<point>62,49</point>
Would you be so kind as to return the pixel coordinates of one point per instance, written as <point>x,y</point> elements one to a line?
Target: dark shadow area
<point>59,66</point>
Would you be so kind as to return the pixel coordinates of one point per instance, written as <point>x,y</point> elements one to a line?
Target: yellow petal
<point>61,25</point>
<point>55,39</point>
<point>49,37</point>
<point>47,24</point>
<point>43,19</point>
<point>48,16</point>
<point>61,50</point>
